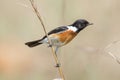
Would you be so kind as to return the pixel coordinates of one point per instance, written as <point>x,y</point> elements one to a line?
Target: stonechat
<point>62,35</point>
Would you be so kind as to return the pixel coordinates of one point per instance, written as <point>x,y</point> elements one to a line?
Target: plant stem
<point>49,41</point>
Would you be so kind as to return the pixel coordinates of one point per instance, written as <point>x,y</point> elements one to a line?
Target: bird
<point>62,35</point>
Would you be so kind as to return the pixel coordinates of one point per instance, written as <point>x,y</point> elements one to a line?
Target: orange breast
<point>67,36</point>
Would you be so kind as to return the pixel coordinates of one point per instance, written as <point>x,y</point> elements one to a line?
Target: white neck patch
<point>74,29</point>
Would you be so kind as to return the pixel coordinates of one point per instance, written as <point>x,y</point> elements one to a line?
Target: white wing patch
<point>74,29</point>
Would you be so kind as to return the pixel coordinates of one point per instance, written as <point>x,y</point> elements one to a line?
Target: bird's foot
<point>50,45</point>
<point>57,65</point>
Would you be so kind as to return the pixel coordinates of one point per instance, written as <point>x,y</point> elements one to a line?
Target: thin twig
<point>49,41</point>
<point>110,53</point>
<point>114,57</point>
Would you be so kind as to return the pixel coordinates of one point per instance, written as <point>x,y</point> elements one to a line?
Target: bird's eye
<point>82,24</point>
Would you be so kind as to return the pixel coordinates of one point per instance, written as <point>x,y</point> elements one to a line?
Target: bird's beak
<point>90,24</point>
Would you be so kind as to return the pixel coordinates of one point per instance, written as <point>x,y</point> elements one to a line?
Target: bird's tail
<point>33,43</point>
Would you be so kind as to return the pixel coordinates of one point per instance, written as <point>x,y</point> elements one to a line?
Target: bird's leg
<point>50,45</point>
<point>56,50</point>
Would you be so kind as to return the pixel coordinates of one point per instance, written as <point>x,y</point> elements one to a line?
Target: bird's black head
<point>81,24</point>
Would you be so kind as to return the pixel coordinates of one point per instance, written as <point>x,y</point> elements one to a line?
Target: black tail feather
<point>33,43</point>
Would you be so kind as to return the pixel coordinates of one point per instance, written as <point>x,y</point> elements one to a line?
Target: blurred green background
<point>82,59</point>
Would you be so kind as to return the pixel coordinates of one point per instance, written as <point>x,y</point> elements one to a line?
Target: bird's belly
<point>55,40</point>
<point>62,38</point>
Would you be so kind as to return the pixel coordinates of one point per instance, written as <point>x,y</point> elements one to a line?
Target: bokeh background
<point>85,58</point>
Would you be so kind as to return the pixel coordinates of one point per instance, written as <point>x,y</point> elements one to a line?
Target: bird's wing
<point>56,31</point>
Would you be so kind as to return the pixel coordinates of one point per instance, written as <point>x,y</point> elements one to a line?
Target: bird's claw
<point>57,65</point>
<point>50,45</point>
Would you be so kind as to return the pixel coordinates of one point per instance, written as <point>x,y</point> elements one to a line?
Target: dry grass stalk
<point>114,57</point>
<point>49,41</point>
<point>110,53</point>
